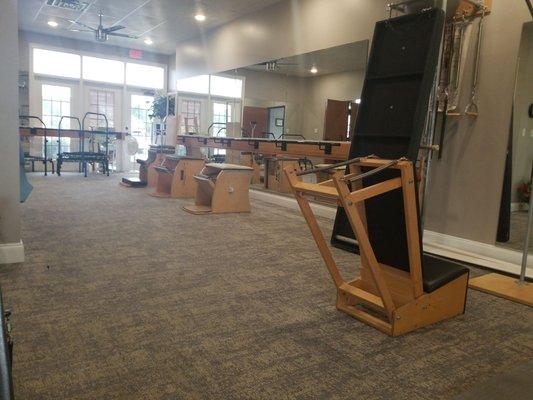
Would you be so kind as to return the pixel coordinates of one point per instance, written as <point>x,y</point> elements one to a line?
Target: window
<point>196,84</point>
<point>103,102</point>
<point>141,125</point>
<point>102,70</point>
<point>227,87</point>
<point>212,84</point>
<point>190,116</point>
<point>56,63</point>
<point>145,76</point>
<point>55,104</point>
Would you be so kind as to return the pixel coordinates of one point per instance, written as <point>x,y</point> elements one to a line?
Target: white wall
<point>9,138</point>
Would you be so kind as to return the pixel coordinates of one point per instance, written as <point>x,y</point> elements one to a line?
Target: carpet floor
<point>126,296</point>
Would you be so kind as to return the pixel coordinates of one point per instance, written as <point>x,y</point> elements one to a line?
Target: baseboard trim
<point>465,250</point>
<point>470,251</point>
<point>519,207</point>
<point>288,202</point>
<point>11,253</point>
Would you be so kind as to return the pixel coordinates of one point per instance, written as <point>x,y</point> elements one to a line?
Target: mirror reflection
<point>308,96</point>
<point>516,199</point>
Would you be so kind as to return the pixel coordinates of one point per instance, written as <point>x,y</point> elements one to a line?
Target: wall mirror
<point>514,221</point>
<point>312,96</point>
<point>308,96</point>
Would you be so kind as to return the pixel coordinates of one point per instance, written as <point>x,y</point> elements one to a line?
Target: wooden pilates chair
<point>275,178</point>
<point>144,166</point>
<point>247,159</point>
<point>392,298</point>
<point>175,176</point>
<point>222,188</point>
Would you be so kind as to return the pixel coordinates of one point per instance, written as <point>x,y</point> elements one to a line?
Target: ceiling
<point>166,22</point>
<point>348,57</point>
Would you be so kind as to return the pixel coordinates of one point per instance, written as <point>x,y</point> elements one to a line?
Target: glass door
<point>141,124</point>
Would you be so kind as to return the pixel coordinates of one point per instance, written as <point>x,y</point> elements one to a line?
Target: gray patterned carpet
<point>125,296</point>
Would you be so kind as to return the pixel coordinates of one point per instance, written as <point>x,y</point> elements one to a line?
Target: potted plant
<point>524,192</point>
<point>158,112</point>
<point>158,109</point>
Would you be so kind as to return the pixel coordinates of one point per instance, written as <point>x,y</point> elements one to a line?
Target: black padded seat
<point>437,272</point>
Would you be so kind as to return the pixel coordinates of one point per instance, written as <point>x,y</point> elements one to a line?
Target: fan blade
<point>80,30</point>
<point>282,63</point>
<point>82,24</point>
<point>123,35</point>
<point>114,28</point>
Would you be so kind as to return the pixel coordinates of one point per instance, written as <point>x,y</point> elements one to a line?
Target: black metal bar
<point>372,172</point>
<point>332,166</point>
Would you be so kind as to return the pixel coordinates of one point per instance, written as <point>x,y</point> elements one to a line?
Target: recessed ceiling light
<point>53,24</point>
<point>199,17</point>
<point>148,41</point>
<point>313,70</point>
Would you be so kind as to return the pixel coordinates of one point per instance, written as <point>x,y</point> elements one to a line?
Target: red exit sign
<point>136,54</point>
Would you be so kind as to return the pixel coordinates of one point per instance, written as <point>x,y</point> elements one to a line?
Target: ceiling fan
<point>276,64</point>
<point>101,34</point>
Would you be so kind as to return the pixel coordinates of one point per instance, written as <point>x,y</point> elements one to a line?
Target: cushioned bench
<point>437,272</point>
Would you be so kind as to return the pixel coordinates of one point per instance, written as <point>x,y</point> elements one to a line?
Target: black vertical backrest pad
<point>390,122</point>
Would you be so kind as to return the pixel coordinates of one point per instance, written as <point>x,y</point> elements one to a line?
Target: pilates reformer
<point>395,298</point>
<point>81,156</point>
<point>45,159</point>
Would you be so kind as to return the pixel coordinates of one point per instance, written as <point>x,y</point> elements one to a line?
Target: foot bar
<point>357,177</point>
<point>332,166</point>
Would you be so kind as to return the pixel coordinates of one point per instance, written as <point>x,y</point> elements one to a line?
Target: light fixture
<point>357,101</point>
<point>313,70</point>
<point>199,17</point>
<point>53,24</point>
<point>148,41</point>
